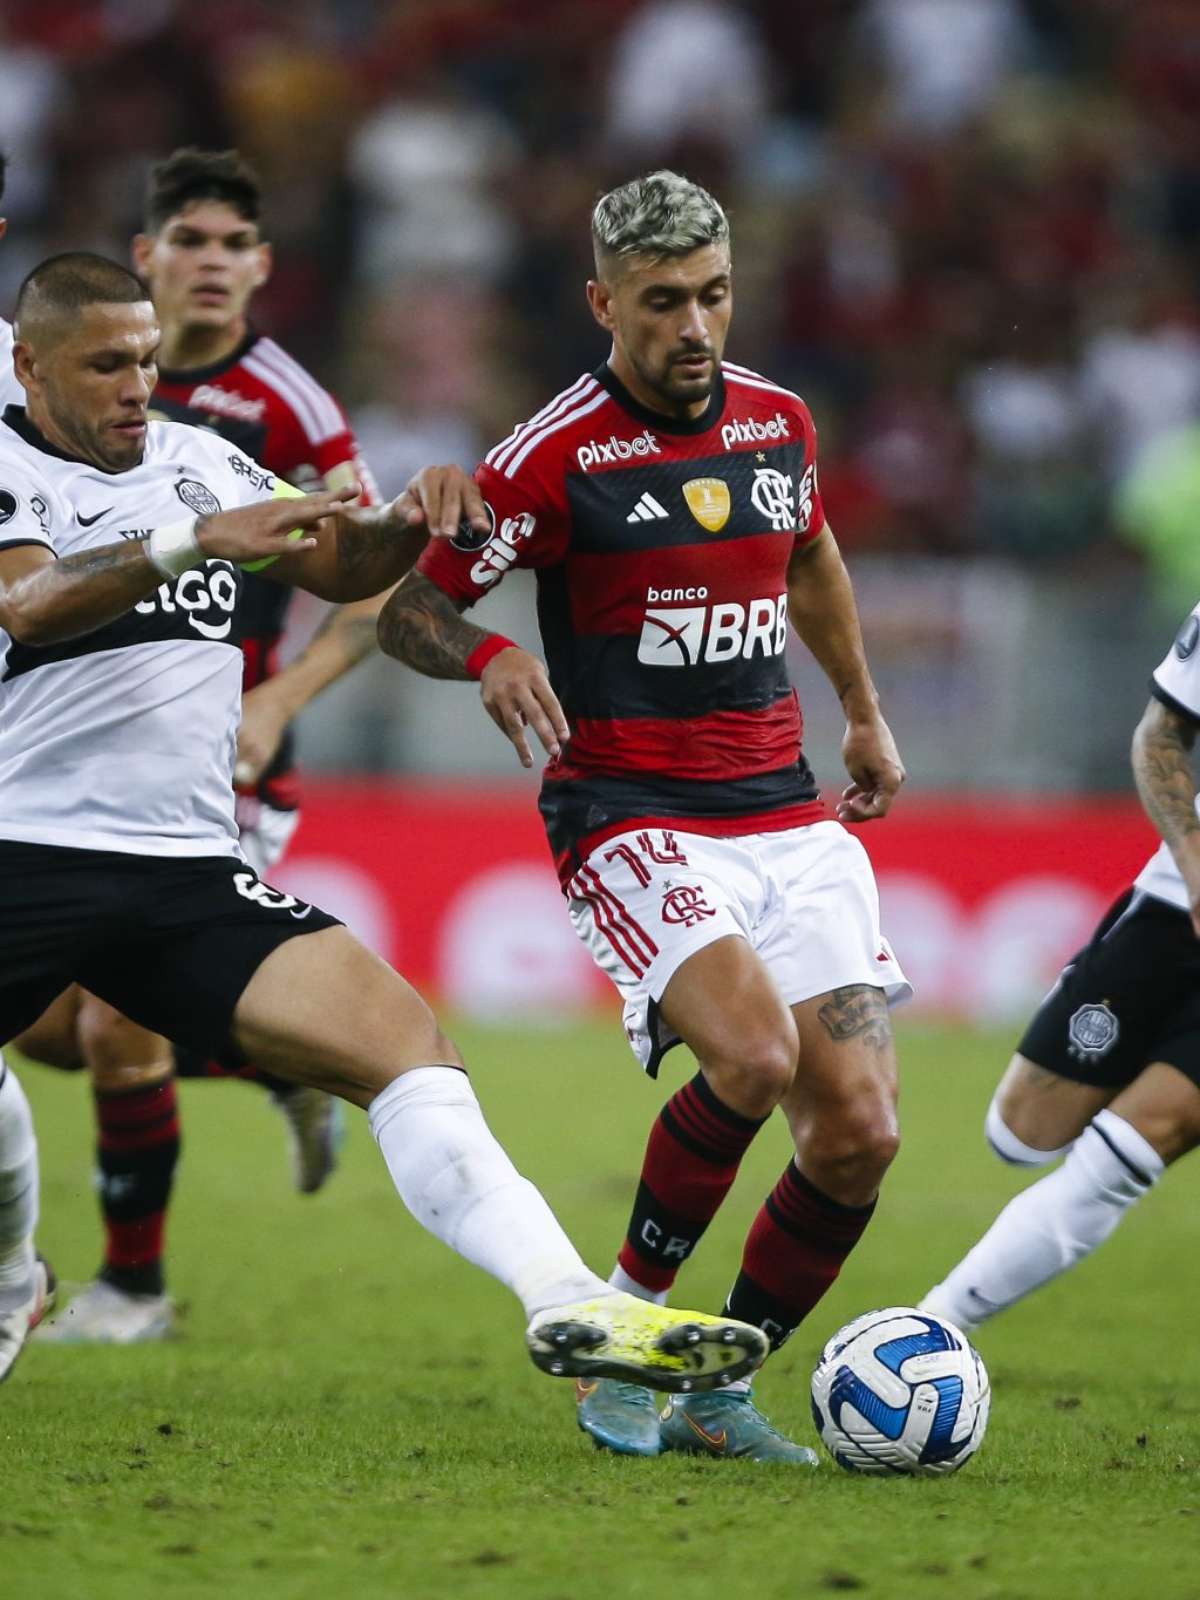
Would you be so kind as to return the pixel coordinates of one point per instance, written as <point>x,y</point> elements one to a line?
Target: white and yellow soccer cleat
<point>619,1336</point>
<point>104,1314</point>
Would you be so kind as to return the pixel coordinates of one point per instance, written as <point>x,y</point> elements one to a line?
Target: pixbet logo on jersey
<point>754,432</point>
<point>684,636</point>
<point>612,450</point>
<point>501,549</point>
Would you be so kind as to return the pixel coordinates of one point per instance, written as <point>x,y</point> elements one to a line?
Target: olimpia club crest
<point>708,501</point>
<point>1092,1031</point>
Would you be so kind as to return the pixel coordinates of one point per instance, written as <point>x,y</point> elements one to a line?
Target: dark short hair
<point>76,279</point>
<point>193,174</point>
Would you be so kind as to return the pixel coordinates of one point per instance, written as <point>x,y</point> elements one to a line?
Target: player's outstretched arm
<point>421,626</point>
<point>46,601</point>
<point>371,548</point>
<point>1166,784</point>
<point>822,611</point>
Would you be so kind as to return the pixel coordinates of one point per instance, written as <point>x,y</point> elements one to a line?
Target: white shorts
<point>804,898</point>
<point>264,832</point>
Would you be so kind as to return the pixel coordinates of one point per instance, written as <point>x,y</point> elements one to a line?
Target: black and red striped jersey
<point>266,403</point>
<point>661,550</point>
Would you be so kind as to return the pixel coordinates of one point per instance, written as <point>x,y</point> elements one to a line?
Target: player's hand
<point>875,769</point>
<point>441,499</point>
<point>264,723</point>
<point>252,532</point>
<point>517,695</point>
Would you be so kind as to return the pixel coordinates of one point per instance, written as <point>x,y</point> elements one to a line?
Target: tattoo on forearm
<point>858,1011</point>
<point>421,626</point>
<point>362,541</point>
<point>85,563</point>
<point>1162,769</point>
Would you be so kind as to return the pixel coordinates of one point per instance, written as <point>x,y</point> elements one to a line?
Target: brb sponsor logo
<point>207,596</point>
<point>612,450</point>
<point>754,432</point>
<point>501,549</point>
<point>684,636</point>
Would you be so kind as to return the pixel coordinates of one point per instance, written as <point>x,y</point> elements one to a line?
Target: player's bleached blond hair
<point>660,214</point>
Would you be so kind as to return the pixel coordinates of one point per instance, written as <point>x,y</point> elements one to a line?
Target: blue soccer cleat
<point>622,1417</point>
<point>724,1424</point>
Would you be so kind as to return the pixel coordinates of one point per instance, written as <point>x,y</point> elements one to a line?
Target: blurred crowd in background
<point>967,231</point>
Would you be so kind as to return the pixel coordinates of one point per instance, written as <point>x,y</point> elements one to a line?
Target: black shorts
<point>1129,998</point>
<point>169,942</point>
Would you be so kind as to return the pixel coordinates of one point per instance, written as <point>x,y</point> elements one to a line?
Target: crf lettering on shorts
<point>503,548</point>
<point>684,636</point>
<point>670,1248</point>
<point>754,432</point>
<point>199,590</point>
<point>611,450</point>
<point>684,903</point>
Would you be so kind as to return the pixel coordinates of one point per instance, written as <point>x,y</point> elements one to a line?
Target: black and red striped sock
<point>794,1251</point>
<point>137,1154</point>
<point>692,1158</point>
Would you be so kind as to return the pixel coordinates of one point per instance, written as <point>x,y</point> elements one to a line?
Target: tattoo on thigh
<point>858,1011</point>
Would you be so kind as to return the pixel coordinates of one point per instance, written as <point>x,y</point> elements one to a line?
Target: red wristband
<point>485,652</point>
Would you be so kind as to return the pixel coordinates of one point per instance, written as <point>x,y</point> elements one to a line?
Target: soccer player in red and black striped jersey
<point>668,504</point>
<point>203,256</point>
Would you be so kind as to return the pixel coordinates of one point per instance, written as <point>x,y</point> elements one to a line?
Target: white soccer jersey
<point>1177,682</point>
<point>11,392</point>
<point>124,739</point>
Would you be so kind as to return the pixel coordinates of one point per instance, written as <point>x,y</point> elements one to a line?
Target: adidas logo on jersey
<point>611,450</point>
<point>647,510</point>
<point>753,431</point>
<point>684,636</point>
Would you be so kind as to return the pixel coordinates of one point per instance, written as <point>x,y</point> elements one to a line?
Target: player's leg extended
<point>323,1009</point>
<point>26,1283</point>
<point>137,1151</point>
<point>724,1006</point>
<point>1115,1153</point>
<point>842,1113</point>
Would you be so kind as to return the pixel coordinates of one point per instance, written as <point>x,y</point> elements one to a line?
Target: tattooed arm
<point>360,550</point>
<point>1166,784</point>
<point>421,626</point>
<point>45,601</point>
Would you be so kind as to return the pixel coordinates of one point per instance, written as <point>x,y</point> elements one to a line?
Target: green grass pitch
<point>349,1411</point>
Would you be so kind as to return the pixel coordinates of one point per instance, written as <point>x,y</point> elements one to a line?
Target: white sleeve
<point>24,507</point>
<point>1176,680</point>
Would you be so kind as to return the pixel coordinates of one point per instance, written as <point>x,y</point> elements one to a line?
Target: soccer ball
<point>900,1391</point>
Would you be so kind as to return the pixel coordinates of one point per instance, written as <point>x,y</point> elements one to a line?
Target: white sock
<point>1051,1225</point>
<point>460,1185</point>
<point>620,1279</point>
<point>18,1191</point>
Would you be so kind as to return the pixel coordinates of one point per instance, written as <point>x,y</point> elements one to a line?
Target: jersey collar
<point>17,419</point>
<point>205,374</point>
<point>707,419</point>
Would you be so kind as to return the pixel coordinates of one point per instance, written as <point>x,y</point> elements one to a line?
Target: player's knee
<point>118,1053</point>
<point>855,1148</point>
<point>753,1079</point>
<point>1009,1146</point>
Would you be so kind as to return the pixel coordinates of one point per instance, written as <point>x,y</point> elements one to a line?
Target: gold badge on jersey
<point>708,501</point>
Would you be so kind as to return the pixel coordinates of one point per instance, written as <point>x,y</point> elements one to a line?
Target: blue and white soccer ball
<point>900,1391</point>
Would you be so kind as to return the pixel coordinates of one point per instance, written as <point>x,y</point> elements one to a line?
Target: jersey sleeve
<point>810,512</point>
<point>529,529</point>
<point>25,516</point>
<point>1176,679</point>
<point>340,462</point>
<point>251,483</point>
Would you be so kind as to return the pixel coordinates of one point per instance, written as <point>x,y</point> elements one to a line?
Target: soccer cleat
<point>622,1417</point>
<point>727,1425</point>
<point>619,1336</point>
<point>16,1326</point>
<point>316,1129</point>
<point>102,1314</point>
